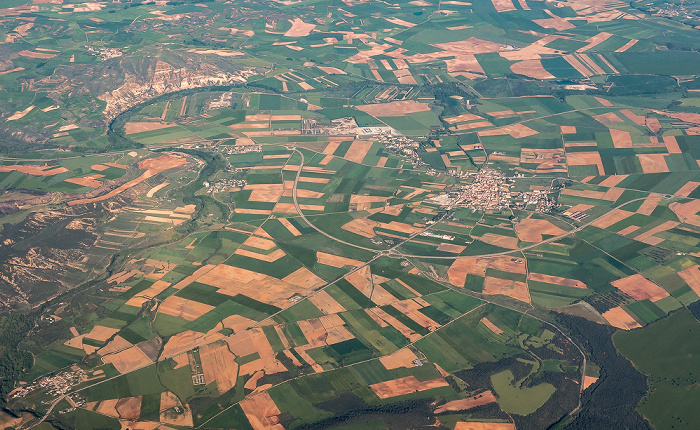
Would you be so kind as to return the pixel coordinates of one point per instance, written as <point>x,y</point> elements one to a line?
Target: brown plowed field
<point>686,189</point>
<point>617,317</point>
<point>557,280</point>
<point>649,205</point>
<point>358,150</point>
<point>613,180</point>
<point>218,365</point>
<point>129,407</point>
<point>691,276</point>
<point>267,289</point>
<point>476,425</point>
<point>491,326</point>
<point>531,229</point>
<point>396,108</point>
<point>653,163</point>
<point>262,412</point>
<point>531,68</point>
<point>289,226</point>
<point>268,193</point>
<point>586,158</point>
<point>326,303</point>
<point>336,260</point>
<point>514,289</point>
<point>169,404</point>
<point>458,271</point>
<point>128,360</point>
<point>613,217</point>
<point>687,212</point>
<point>34,170</point>
<point>498,240</point>
<point>138,127</point>
<point>183,308</point>
<point>407,385</point>
<point>448,247</point>
<point>402,358</point>
<point>463,404</point>
<point>581,207</point>
<point>640,288</point>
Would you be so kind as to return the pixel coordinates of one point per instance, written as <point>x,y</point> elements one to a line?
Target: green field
<point>664,351</point>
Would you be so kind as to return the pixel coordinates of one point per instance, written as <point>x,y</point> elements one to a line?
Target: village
<point>490,191</point>
<point>56,385</point>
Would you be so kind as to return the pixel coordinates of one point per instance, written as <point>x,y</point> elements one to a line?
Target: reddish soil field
<point>621,138</point>
<point>648,205</point>
<point>531,68</point>
<point>463,404</point>
<point>299,29</point>
<point>128,360</point>
<point>647,236</point>
<point>687,212</point>
<point>603,101</point>
<point>613,180</point>
<point>531,230</point>
<point>627,45</point>
<point>576,64</point>
<point>672,145</point>
<point>138,127</point>
<point>640,288</point>
<point>326,303</point>
<point>491,326</point>
<point>691,276</point>
<point>476,425</point>
<point>588,381</point>
<point>182,308</point>
<point>336,261</point>
<point>637,119</point>
<point>581,207</point>
<point>462,118</point>
<point>556,280</point>
<point>513,289</point>
<point>686,189</point>
<point>358,150</point>
<point>617,317</point>
<point>218,365</point>
<point>457,273</point>
<point>268,193</point>
<point>262,412</point>
<point>607,118</point>
<point>396,108</point>
<point>402,358</point>
<point>594,41</point>
<point>34,170</point>
<point>448,247</point>
<point>498,240</point>
<point>407,385</point>
<point>398,325</point>
<point>613,217</point>
<point>32,54</point>
<point>585,158</point>
<point>129,407</point>
<point>629,229</point>
<point>653,163</point>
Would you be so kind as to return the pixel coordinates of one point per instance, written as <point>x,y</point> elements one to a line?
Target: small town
<point>56,385</point>
<point>489,191</point>
<point>238,149</point>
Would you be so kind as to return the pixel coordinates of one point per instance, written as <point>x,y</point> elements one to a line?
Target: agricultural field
<point>289,214</point>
